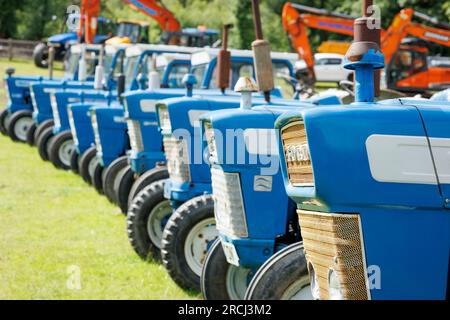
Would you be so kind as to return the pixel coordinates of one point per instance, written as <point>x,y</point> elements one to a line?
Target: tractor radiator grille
<point>135,134</point>
<point>55,111</point>
<point>334,242</point>
<point>228,202</point>
<point>296,151</point>
<point>73,128</point>
<point>98,142</point>
<point>177,159</point>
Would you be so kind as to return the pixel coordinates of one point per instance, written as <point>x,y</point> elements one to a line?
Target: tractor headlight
<point>315,288</point>
<point>73,129</point>
<point>212,146</point>
<point>296,151</point>
<point>177,156</point>
<point>229,204</point>
<point>33,99</point>
<point>55,112</point>
<point>164,118</point>
<point>334,286</point>
<point>98,142</point>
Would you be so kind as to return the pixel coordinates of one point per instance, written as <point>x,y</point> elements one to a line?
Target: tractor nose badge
<point>246,86</point>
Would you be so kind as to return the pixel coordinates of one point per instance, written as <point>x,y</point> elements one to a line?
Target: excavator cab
<point>130,32</point>
<point>192,37</point>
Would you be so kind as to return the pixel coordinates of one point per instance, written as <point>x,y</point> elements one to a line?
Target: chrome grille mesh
<point>177,158</point>
<point>135,134</point>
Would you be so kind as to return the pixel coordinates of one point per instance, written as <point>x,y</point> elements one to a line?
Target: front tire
<point>188,235</point>
<point>61,149</point>
<point>4,118</point>
<point>122,186</point>
<point>221,280</point>
<point>96,176</point>
<point>42,127</point>
<point>145,180</point>
<point>146,219</point>
<point>19,124</point>
<point>43,143</point>
<point>40,55</point>
<point>283,277</point>
<point>86,164</point>
<point>109,176</point>
<point>30,134</point>
<point>74,162</point>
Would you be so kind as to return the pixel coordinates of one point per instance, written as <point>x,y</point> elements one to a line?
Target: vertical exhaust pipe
<point>224,61</point>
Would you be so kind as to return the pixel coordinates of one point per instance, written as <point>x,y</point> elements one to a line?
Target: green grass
<point>52,226</point>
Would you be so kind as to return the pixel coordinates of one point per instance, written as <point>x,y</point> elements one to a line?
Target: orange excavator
<point>408,66</point>
<point>169,24</point>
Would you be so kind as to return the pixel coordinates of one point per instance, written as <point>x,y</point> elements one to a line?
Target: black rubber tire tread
<point>122,186</point>
<point>16,116</point>
<point>278,273</point>
<point>74,162</point>
<point>137,218</point>
<point>30,135</point>
<point>3,115</point>
<point>177,229</point>
<point>54,147</point>
<point>156,174</point>
<point>84,162</point>
<point>96,178</point>
<point>43,141</point>
<point>109,176</point>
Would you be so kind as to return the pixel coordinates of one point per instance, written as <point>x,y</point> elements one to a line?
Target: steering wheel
<point>347,86</point>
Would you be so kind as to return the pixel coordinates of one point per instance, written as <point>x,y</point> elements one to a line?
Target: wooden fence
<point>11,49</point>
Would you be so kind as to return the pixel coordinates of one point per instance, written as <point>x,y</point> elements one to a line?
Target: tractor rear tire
<point>43,143</point>
<point>188,235</point>
<point>96,176</point>
<point>283,277</point>
<point>146,220</point>
<point>19,124</point>
<point>30,134</point>
<point>74,162</point>
<point>221,280</point>
<point>40,56</point>
<point>4,118</point>
<point>86,162</point>
<point>109,176</point>
<point>40,128</point>
<point>146,179</point>
<point>122,186</point>
<point>61,149</point>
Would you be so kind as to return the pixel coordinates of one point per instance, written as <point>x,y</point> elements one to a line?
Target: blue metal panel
<point>83,127</point>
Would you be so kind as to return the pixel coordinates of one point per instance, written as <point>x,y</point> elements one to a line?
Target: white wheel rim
<point>237,282</point>
<point>65,152</point>
<point>155,227</point>
<point>91,166</point>
<point>299,290</point>
<point>22,126</point>
<point>197,243</point>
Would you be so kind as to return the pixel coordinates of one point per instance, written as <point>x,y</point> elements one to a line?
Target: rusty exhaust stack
<point>224,61</point>
<point>261,55</point>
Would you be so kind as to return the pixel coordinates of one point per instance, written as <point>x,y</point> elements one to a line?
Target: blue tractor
<point>16,120</point>
<point>62,43</point>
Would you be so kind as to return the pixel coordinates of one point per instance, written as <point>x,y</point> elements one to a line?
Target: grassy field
<point>59,239</point>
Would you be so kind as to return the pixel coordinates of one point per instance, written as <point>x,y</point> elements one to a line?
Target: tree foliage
<point>31,19</point>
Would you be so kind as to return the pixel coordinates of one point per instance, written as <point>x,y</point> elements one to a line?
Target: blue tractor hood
<point>62,38</point>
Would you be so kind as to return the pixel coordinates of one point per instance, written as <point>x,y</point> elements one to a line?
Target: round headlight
<point>334,286</point>
<point>315,289</point>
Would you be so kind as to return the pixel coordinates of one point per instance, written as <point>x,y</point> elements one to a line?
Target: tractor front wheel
<point>43,143</point>
<point>40,55</point>
<point>4,118</point>
<point>96,176</point>
<point>189,234</point>
<point>122,186</point>
<point>43,126</point>
<point>109,176</point>
<point>221,280</point>
<point>87,163</point>
<point>19,124</point>
<point>74,162</point>
<point>145,180</point>
<point>283,277</point>
<point>146,219</point>
<point>30,134</point>
<point>61,149</point>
